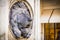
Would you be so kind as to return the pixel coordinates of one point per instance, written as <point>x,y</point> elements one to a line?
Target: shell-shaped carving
<point>20,19</point>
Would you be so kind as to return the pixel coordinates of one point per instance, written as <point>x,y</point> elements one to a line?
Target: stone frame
<point>11,2</point>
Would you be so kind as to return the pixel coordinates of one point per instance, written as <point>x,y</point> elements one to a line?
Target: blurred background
<point>50,10</point>
<point>50,19</point>
<point>50,31</point>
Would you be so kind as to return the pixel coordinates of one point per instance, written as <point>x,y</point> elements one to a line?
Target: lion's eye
<point>28,26</point>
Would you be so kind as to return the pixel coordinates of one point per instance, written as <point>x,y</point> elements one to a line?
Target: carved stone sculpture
<point>20,20</point>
